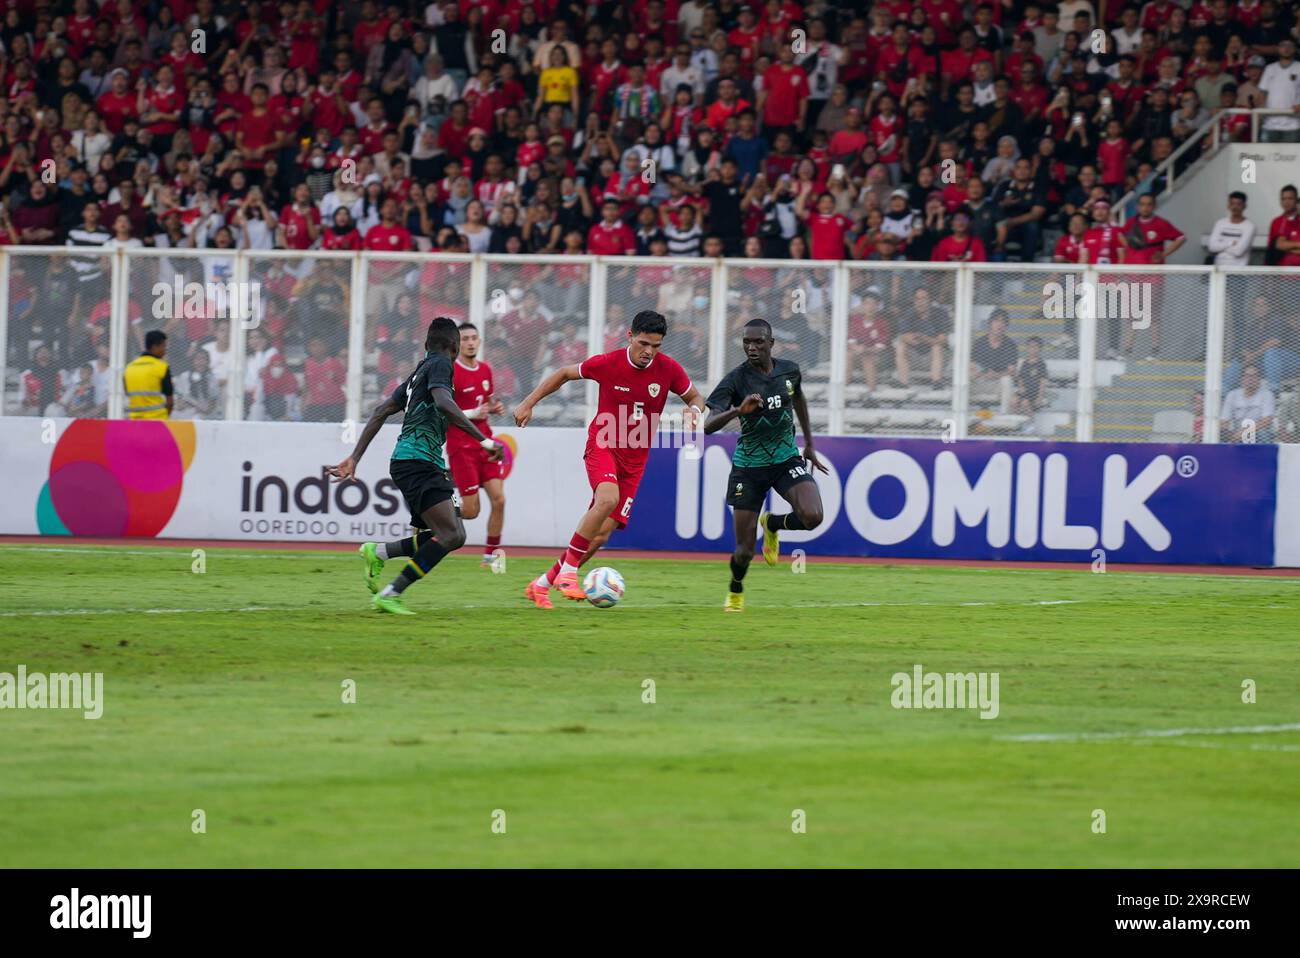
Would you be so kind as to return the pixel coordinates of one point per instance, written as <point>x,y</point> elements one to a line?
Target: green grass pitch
<point>223,692</point>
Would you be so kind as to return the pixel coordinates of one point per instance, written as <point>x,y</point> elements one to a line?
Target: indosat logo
<point>115,478</point>
<point>289,503</point>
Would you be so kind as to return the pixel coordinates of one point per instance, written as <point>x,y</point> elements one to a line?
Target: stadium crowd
<point>933,130</point>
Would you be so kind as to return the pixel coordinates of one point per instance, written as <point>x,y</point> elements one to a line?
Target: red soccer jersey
<point>1067,247</point>
<point>1288,228</point>
<point>887,134</point>
<point>1112,157</point>
<point>828,235</point>
<point>258,131</point>
<point>474,387</point>
<point>164,101</point>
<point>326,379</point>
<point>392,239</point>
<point>1102,244</point>
<point>326,113</point>
<point>297,234</point>
<point>332,240</point>
<point>631,400</point>
<point>372,139</point>
<point>952,250</point>
<point>1156,232</point>
<point>114,109</point>
<point>606,240</point>
<point>785,88</point>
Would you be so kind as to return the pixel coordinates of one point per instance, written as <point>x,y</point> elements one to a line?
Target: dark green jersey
<point>767,434</point>
<point>424,428</point>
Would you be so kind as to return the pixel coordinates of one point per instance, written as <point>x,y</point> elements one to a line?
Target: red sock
<point>555,571</point>
<point>493,542</point>
<point>577,549</point>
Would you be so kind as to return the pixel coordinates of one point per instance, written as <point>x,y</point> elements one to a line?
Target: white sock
<point>565,568</point>
<point>381,550</point>
<point>542,582</point>
<point>389,590</point>
<point>489,556</point>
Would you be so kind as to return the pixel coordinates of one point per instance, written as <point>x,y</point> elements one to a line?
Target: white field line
<point>512,604</point>
<point>1233,747</point>
<point>1153,733</point>
<point>42,612</point>
<point>347,553</point>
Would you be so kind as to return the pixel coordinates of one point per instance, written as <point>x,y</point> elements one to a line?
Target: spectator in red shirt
<point>258,133</point>
<point>160,106</point>
<point>827,229</point>
<point>300,220</point>
<point>1284,231</point>
<point>783,101</point>
<point>611,236</point>
<point>324,399</point>
<point>117,103</point>
<point>961,246</point>
<point>869,338</point>
<point>325,108</point>
<point>847,143</point>
<point>728,104</point>
<point>388,235</point>
<point>1112,156</point>
<point>342,233</point>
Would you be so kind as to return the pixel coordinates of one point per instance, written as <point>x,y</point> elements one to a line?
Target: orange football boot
<point>538,596</point>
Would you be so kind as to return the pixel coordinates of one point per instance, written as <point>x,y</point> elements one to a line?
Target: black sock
<point>785,521</point>
<point>408,547</point>
<point>426,557</point>
<point>738,570</point>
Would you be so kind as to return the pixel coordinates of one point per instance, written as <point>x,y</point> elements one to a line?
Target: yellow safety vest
<point>144,396</point>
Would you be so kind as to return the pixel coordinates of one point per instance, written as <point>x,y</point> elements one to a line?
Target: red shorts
<point>604,465</point>
<point>470,468</point>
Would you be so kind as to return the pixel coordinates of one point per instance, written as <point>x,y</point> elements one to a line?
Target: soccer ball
<point>604,587</point>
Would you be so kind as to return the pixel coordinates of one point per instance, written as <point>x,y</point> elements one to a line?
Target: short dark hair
<point>762,324</point>
<point>443,334</point>
<point>648,321</point>
<point>1237,195</point>
<point>153,338</point>
<point>467,325</point>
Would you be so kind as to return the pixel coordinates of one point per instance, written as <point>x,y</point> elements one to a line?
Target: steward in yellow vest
<point>148,380</point>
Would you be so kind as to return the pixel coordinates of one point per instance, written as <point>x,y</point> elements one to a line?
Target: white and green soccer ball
<point>604,587</point>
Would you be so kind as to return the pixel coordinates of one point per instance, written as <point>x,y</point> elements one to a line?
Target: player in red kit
<point>634,386</point>
<point>470,466</point>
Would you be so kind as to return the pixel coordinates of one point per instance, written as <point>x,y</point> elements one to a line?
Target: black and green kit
<point>417,467</point>
<point>766,456</point>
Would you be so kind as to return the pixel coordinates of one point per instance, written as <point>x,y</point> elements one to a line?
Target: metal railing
<point>890,349</point>
<point>1207,135</point>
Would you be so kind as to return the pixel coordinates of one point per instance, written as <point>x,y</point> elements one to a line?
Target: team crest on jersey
<point>789,387</point>
<point>654,390</point>
<point>485,384</point>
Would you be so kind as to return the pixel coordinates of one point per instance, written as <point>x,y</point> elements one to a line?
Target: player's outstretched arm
<point>720,418</point>
<point>455,416</point>
<point>805,427</point>
<point>348,467</point>
<point>524,411</point>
